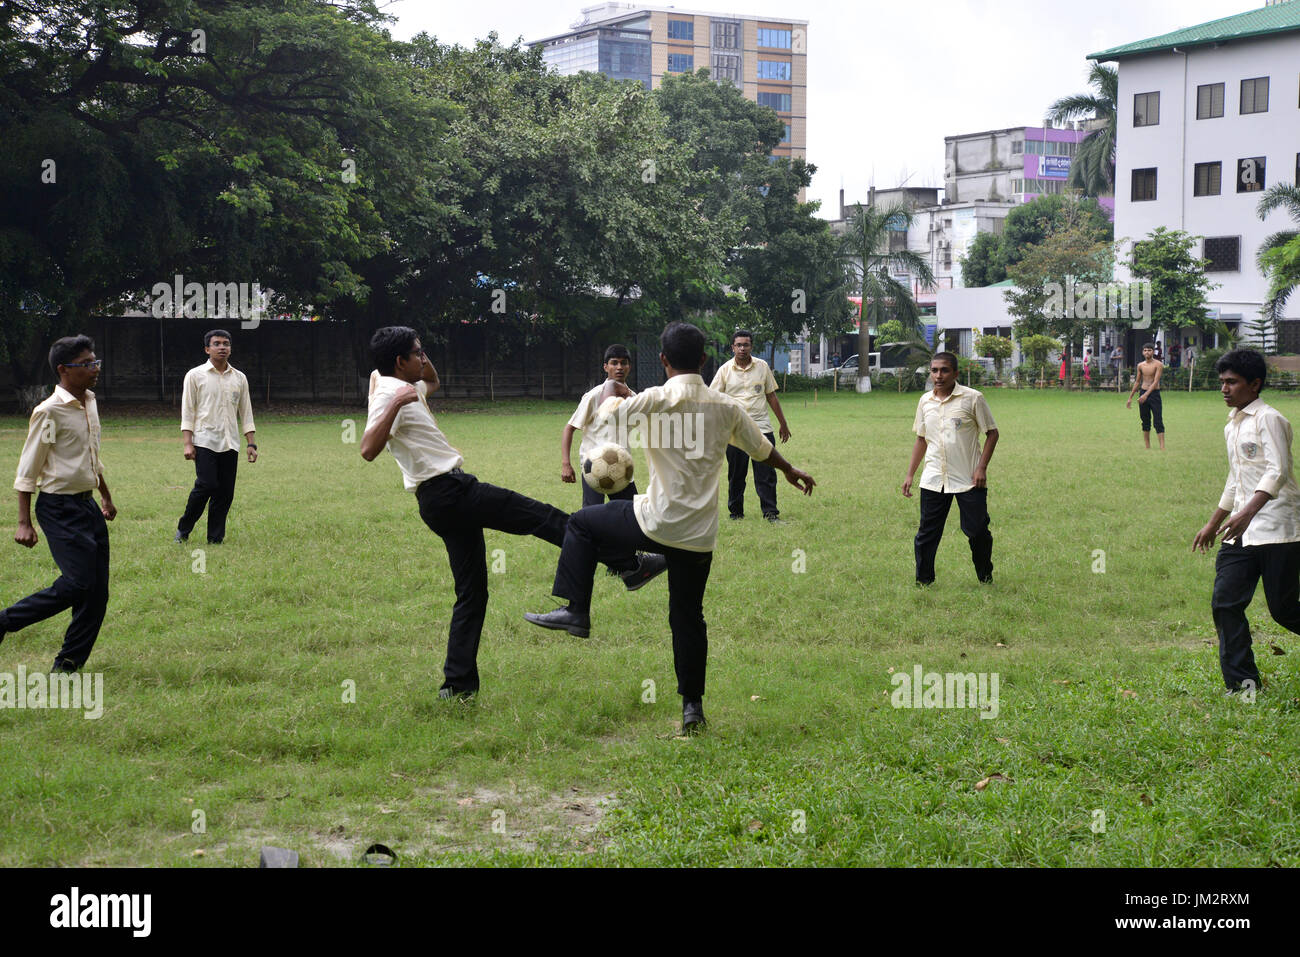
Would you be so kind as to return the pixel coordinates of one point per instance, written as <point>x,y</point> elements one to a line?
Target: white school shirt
<point>595,432</point>
<point>213,404</point>
<point>61,454</point>
<point>951,428</point>
<point>1259,460</point>
<point>749,386</point>
<point>418,445</point>
<point>680,506</point>
<point>421,387</point>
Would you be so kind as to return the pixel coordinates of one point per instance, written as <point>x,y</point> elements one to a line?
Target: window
<point>786,137</point>
<point>726,68</point>
<point>681,29</point>
<point>681,62</point>
<point>1223,254</point>
<point>1254,95</point>
<point>1144,185</point>
<point>773,69</point>
<point>1017,185</point>
<point>776,39</point>
<point>1250,174</point>
<point>726,35</point>
<point>1209,101</point>
<point>1209,179</point>
<point>777,101</point>
<point>1017,146</point>
<point>1146,109</point>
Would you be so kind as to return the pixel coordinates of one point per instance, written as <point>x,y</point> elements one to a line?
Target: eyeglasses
<point>93,364</point>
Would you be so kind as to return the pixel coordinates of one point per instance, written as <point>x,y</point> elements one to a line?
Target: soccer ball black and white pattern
<point>608,469</point>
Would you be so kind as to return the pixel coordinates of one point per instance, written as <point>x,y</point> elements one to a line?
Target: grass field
<point>225,689</point>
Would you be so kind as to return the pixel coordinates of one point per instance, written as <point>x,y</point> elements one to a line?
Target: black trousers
<point>77,534</point>
<point>973,505</point>
<point>610,534</point>
<point>457,507</point>
<point>1152,409</point>
<point>764,481</point>
<point>1237,570</point>
<point>214,482</point>
<point>591,497</point>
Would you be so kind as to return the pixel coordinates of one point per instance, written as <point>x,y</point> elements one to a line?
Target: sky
<point>888,81</point>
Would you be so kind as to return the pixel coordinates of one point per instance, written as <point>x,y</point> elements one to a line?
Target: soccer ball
<point>608,469</point>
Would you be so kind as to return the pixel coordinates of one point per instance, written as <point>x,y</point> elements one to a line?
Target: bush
<point>794,382</point>
<point>969,367</point>
<point>1027,375</point>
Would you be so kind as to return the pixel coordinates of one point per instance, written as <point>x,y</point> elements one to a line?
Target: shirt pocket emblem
<point>1249,449</point>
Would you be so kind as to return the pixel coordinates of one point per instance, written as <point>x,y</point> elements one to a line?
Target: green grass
<point>225,688</point>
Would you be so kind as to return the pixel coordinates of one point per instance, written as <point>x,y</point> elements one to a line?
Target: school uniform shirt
<point>951,428</point>
<point>418,445</point>
<point>749,386</point>
<point>686,428</point>
<point>595,432</point>
<point>213,404</point>
<point>421,387</point>
<point>1259,460</point>
<point>61,454</point>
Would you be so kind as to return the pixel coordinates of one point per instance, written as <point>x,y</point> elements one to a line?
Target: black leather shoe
<point>692,716</point>
<point>652,566</point>
<point>449,694</point>
<point>179,537</point>
<point>62,666</point>
<point>736,518</point>
<point>562,620</point>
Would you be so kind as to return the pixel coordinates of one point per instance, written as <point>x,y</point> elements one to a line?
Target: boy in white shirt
<point>453,503</point>
<point>688,428</point>
<point>1261,505</point>
<point>618,363</point>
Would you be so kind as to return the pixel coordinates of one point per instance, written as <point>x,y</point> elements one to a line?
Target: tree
<point>1031,223</point>
<point>997,348</point>
<point>983,265</point>
<point>1055,287</point>
<point>865,245</point>
<point>1178,281</point>
<point>891,331</point>
<point>214,139</point>
<point>1278,258</point>
<point>1093,169</point>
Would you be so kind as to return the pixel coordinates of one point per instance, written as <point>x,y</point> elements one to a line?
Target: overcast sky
<point>888,81</point>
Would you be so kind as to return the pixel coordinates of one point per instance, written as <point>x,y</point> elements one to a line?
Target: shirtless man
<point>1148,379</point>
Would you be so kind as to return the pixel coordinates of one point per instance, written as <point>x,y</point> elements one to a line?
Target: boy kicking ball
<point>1261,505</point>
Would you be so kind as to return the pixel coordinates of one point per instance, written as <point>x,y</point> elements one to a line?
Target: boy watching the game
<point>1261,505</point>
<point>618,363</point>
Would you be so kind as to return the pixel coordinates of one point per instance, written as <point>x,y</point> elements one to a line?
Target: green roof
<point>1281,17</point>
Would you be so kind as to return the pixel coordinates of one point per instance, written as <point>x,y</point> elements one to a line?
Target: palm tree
<point>1093,169</point>
<point>1279,257</point>
<point>866,247</point>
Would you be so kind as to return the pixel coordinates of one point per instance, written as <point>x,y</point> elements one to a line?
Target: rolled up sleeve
<point>189,402</point>
<point>245,408</point>
<point>31,463</point>
<point>1277,455</point>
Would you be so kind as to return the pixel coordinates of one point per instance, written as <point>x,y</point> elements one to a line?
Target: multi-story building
<point>1209,117</point>
<point>767,59</point>
<point>1012,165</point>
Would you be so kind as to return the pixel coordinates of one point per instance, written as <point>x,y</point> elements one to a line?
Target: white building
<point>1209,117</point>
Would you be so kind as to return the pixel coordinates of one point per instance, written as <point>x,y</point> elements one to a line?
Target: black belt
<point>83,496</point>
<point>434,478</point>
